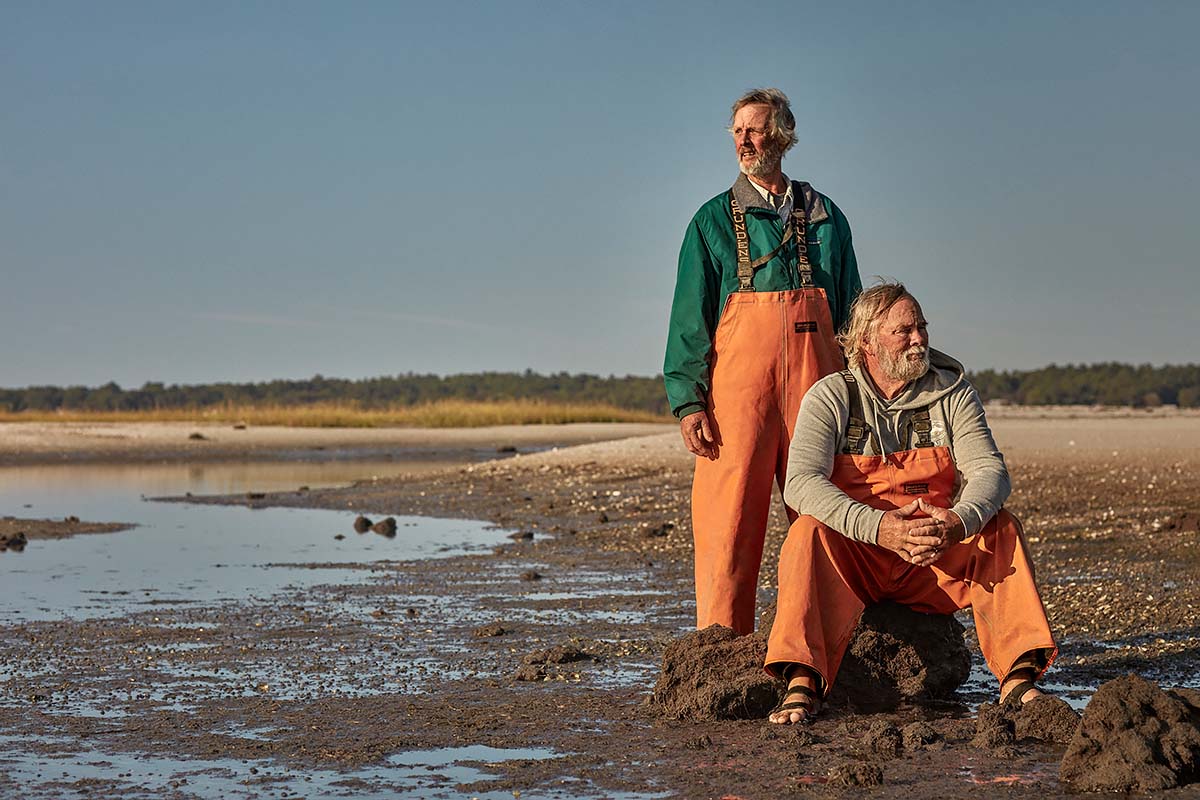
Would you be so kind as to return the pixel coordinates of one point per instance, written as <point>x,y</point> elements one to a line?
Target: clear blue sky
<point>251,190</point>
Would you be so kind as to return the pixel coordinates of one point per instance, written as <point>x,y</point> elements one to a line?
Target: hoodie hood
<point>890,420</point>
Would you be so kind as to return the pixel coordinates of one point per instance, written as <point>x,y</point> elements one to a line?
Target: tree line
<point>1109,384</point>
<point>630,391</point>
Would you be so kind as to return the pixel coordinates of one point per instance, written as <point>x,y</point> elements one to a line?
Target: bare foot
<point>801,702</point>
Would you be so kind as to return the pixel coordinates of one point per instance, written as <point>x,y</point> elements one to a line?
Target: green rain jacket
<point>708,275</point>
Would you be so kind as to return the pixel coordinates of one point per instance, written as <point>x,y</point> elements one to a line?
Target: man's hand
<point>917,541</point>
<point>953,529</point>
<point>698,436</point>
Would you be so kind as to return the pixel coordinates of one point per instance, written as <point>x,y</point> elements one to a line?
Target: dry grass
<point>443,414</point>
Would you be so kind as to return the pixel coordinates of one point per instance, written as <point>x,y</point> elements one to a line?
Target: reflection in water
<point>22,485</point>
<point>187,553</point>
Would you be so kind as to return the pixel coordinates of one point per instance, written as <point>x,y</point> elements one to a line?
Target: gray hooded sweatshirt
<point>956,414</point>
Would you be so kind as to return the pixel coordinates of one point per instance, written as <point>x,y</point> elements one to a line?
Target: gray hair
<point>868,308</point>
<point>783,122</point>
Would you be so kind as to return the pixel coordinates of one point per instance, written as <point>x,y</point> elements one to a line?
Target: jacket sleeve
<point>984,484</point>
<point>693,321</point>
<point>824,412</point>
<point>847,280</point>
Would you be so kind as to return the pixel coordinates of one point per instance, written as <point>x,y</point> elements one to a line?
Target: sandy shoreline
<point>1018,429</point>
<point>69,442</point>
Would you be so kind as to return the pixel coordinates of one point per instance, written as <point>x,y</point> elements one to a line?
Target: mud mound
<point>999,726</point>
<point>715,674</point>
<point>882,740</point>
<point>898,654</point>
<point>994,728</point>
<point>919,736</point>
<point>1050,719</point>
<point>1187,522</point>
<point>1135,737</point>
<point>854,775</point>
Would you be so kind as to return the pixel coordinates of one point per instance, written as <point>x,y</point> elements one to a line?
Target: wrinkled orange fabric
<point>826,579</point>
<point>768,349</point>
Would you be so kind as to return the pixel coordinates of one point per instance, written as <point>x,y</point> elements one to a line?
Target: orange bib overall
<point>768,349</point>
<point>826,579</point>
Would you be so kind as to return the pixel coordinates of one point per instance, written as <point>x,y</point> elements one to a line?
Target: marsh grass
<point>441,414</point>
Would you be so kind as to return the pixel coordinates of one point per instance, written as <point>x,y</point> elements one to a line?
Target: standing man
<point>766,277</point>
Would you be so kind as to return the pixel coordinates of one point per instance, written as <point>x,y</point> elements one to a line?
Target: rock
<point>657,531</point>
<point>362,524</point>
<point>531,575</point>
<point>715,674</point>
<point>856,774</point>
<point>521,536</point>
<point>603,517</point>
<point>385,527</point>
<point>16,542</point>
<point>918,736</point>
<point>491,629</point>
<point>1135,737</point>
<point>562,654</point>
<point>530,672</point>
<point>882,739</point>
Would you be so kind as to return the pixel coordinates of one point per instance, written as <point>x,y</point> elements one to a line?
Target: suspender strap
<point>800,225</point>
<point>920,425</point>
<point>745,270</point>
<point>798,229</point>
<point>857,429</point>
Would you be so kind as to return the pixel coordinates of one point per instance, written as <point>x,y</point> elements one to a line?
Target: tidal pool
<point>182,553</point>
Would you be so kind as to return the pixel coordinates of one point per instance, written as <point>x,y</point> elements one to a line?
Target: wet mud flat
<point>527,668</point>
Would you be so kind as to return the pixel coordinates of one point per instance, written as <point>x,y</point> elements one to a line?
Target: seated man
<point>899,484</point>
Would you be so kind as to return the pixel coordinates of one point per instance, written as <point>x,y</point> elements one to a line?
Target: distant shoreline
<point>27,443</point>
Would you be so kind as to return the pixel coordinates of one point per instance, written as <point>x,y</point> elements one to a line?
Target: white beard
<point>904,368</point>
<point>766,162</point>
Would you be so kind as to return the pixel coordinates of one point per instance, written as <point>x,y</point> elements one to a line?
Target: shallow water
<point>194,556</point>
<point>428,774</point>
<point>181,553</point>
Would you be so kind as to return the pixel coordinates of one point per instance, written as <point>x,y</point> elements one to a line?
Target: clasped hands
<point>920,541</point>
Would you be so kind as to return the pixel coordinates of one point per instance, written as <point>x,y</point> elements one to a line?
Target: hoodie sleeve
<point>820,424</point>
<point>983,476</point>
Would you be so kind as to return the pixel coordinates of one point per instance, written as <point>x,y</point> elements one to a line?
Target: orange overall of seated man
<point>899,485</point>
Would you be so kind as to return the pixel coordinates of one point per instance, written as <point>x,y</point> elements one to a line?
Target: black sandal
<point>811,704</point>
<point>1018,692</point>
